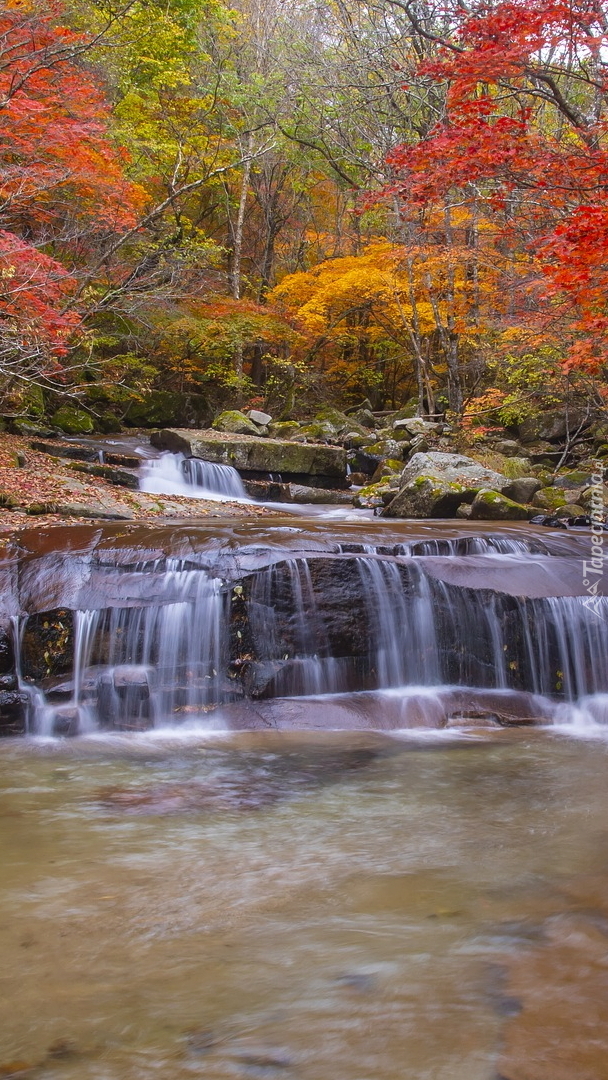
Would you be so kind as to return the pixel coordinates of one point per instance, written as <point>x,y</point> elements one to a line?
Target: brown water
<point>322,907</point>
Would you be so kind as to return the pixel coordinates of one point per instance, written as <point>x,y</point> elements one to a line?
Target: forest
<point>294,203</point>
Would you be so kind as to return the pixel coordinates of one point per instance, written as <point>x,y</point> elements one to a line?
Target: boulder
<point>73,421</point>
<point>255,454</point>
<point>338,420</point>
<point>283,429</point>
<point>262,419</point>
<point>550,498</point>
<point>233,422</point>
<point>572,480</point>
<point>318,431</point>
<point>523,489</point>
<point>435,484</point>
<point>366,418</point>
<point>553,425</point>
<point>508,447</point>
<point>415,425</point>
<point>570,510</point>
<point>490,506</point>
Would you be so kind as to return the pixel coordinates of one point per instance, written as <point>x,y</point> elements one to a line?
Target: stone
<point>508,447</point>
<point>161,408</point>
<point>594,498</point>
<point>318,431</point>
<point>553,425</point>
<point>283,429</point>
<point>340,422</point>
<point>300,493</point>
<point>435,484</point>
<point>523,489</point>
<point>73,421</point>
<point>570,510</point>
<point>491,506</point>
<point>234,422</point>
<point>366,418</point>
<point>255,454</point>
<point>549,498</point>
<point>574,479</point>
<point>355,440</point>
<point>262,419</point>
<point>418,426</point>
<point>112,473</point>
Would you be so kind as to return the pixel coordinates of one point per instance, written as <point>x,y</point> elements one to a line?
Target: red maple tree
<point>525,133</point>
<point>63,189</point>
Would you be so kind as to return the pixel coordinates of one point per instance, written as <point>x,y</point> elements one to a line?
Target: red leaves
<point>62,182</point>
<point>525,137</point>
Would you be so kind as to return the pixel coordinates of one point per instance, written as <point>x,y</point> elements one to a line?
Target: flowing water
<point>263,906</point>
<point>427,900</point>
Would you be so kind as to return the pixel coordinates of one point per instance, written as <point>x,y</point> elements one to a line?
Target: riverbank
<point>37,488</point>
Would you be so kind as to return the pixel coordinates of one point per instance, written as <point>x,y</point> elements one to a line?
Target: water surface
<point>307,906</point>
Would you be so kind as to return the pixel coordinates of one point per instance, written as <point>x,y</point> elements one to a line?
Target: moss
<point>234,422</point>
<point>549,498</point>
<point>73,421</point>
<point>491,506</point>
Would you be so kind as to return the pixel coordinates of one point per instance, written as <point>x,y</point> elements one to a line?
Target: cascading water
<point>174,474</point>
<point>167,639</point>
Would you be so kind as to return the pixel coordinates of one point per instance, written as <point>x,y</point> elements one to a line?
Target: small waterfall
<point>163,640</point>
<point>174,474</point>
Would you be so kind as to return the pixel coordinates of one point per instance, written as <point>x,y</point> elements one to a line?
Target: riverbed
<point>345,905</point>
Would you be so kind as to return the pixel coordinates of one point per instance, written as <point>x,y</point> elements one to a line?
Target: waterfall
<point>168,639</point>
<point>174,474</point>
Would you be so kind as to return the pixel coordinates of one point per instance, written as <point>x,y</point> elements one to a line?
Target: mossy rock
<point>73,421</point>
<point>165,408</point>
<point>594,498</point>
<point>570,510</point>
<point>233,422</point>
<point>602,450</point>
<point>407,412</point>
<point>8,501</point>
<point>576,478</point>
<point>549,498</point>
<point>373,496</point>
<point>284,429</point>
<point>492,506</point>
<point>338,420</point>
<point>319,431</point>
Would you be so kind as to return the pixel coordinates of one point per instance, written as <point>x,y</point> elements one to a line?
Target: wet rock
<point>48,644</point>
<point>255,455</point>
<point>111,473</point>
<point>7,659</point>
<point>299,493</point>
<point>523,489</point>
<point>435,484</point>
<point>362,461</point>
<point>66,721</point>
<point>13,707</point>
<point>234,422</point>
<point>490,506</point>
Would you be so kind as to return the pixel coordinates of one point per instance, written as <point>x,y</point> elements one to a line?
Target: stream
<point>333,803</point>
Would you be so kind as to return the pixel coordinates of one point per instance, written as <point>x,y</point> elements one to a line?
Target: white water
<point>174,474</point>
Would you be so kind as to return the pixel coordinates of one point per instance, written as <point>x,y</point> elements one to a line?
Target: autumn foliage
<point>524,136</point>
<point>62,184</point>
